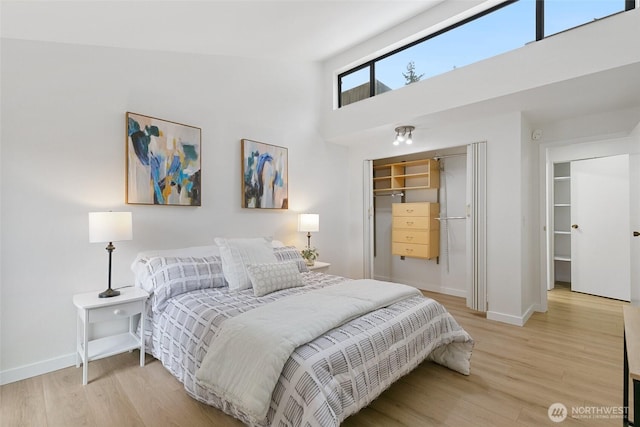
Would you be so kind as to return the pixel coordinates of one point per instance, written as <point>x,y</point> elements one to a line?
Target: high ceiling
<point>305,30</point>
<point>293,29</point>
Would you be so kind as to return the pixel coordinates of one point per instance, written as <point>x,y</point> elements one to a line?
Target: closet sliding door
<point>476,226</point>
<point>368,220</point>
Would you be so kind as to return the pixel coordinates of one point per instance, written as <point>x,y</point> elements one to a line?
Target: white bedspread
<point>247,355</point>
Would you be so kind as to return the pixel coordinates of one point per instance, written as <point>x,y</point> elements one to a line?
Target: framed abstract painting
<point>265,179</point>
<point>163,162</point>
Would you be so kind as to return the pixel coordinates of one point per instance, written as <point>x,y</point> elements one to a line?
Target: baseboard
<point>527,314</point>
<point>35,369</point>
<point>505,318</point>
<point>447,291</point>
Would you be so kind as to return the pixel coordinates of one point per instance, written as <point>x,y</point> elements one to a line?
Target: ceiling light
<point>401,135</point>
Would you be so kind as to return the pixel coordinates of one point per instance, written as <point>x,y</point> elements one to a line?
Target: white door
<point>634,199</point>
<point>600,254</point>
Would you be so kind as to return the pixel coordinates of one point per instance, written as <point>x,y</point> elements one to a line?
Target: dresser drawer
<point>410,236</point>
<point>417,223</point>
<point>114,312</point>
<point>410,209</point>
<point>410,250</point>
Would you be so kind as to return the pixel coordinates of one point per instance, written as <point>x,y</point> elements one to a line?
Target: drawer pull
<point>409,250</point>
<point>409,210</point>
<point>409,222</point>
<point>409,238</point>
<point>118,312</point>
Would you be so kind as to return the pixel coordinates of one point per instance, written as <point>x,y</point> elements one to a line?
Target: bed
<point>322,379</point>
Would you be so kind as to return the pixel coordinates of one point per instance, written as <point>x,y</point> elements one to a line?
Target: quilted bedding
<point>325,380</point>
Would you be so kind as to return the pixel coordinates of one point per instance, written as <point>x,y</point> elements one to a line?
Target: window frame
<point>539,35</point>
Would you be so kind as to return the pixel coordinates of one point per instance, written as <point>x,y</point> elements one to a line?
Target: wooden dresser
<point>415,231</point>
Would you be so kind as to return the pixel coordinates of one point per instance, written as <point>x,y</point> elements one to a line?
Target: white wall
<point>454,261</point>
<point>531,229</point>
<point>503,136</point>
<point>63,155</point>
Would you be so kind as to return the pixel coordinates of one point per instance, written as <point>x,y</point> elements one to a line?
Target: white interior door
<point>634,200</point>
<point>600,253</point>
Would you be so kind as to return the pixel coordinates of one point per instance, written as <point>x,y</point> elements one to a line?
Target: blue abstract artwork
<point>163,162</point>
<point>264,176</point>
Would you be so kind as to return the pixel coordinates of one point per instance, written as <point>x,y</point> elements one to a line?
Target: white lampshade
<point>308,222</point>
<point>110,226</point>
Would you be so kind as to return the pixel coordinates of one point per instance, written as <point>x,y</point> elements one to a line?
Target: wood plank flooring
<point>572,355</point>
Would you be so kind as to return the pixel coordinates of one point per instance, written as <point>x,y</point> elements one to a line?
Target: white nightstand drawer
<point>114,312</point>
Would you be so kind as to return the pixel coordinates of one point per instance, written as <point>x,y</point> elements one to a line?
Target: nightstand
<point>92,309</point>
<point>319,267</point>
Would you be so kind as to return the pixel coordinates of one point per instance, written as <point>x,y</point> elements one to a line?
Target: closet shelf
<point>561,178</point>
<point>411,175</point>
<point>561,232</point>
<point>562,205</point>
<point>562,258</point>
<point>408,175</point>
<point>413,187</point>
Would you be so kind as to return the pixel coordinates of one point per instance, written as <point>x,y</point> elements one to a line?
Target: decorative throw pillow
<point>171,276</point>
<point>238,253</point>
<point>267,278</point>
<point>291,253</point>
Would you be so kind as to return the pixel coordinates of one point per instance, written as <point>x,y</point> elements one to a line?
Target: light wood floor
<point>572,354</point>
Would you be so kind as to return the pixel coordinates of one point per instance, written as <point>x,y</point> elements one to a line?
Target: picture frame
<point>265,180</point>
<point>163,162</point>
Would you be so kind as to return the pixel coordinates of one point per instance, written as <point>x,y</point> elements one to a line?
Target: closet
<point>562,221</point>
<point>415,227</point>
<point>419,220</point>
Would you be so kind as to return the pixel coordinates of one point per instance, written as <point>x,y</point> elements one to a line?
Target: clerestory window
<point>504,27</point>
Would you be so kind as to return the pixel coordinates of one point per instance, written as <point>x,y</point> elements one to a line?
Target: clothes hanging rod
<point>390,194</point>
<point>449,155</point>
<point>451,217</point>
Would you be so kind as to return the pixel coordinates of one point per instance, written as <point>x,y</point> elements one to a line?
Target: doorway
<point>590,226</point>
<point>587,199</point>
<point>461,219</point>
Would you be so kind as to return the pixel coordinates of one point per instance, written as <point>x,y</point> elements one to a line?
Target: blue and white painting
<point>163,162</point>
<point>264,176</point>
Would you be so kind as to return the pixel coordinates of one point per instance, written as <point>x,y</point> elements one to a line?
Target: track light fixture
<point>404,134</point>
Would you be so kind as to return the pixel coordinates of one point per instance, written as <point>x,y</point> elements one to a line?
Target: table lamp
<point>309,223</point>
<point>110,227</point>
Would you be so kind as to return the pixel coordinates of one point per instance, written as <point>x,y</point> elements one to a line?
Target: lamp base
<point>109,293</point>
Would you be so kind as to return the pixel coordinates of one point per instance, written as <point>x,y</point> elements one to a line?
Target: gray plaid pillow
<point>171,276</point>
<point>291,253</point>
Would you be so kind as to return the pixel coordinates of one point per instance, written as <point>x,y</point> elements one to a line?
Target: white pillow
<point>277,244</point>
<point>236,254</point>
<point>267,278</point>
